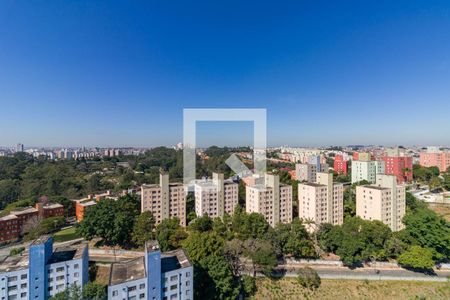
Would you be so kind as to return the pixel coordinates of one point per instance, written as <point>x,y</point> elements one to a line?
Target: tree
<point>249,285</point>
<point>94,291</point>
<point>435,183</point>
<point>252,225</point>
<point>213,274</point>
<point>356,240</point>
<point>293,239</point>
<point>426,229</point>
<point>262,255</point>
<point>111,220</point>
<point>417,258</point>
<point>143,229</point>
<point>170,234</point>
<point>308,278</point>
<point>202,224</point>
<point>73,292</point>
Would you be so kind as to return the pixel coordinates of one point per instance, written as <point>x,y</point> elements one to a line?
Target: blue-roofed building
<point>43,271</point>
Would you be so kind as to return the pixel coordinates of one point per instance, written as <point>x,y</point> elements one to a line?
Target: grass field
<point>65,235</point>
<point>288,288</point>
<point>442,210</point>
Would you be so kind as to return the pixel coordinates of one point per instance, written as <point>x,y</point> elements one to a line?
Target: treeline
<point>24,177</point>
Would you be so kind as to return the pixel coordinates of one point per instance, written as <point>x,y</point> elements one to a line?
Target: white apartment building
<point>384,201</point>
<point>321,201</point>
<point>366,170</point>
<point>272,199</point>
<point>215,197</point>
<point>307,172</point>
<point>164,200</point>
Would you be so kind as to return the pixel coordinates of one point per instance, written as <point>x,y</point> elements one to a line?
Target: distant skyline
<point>120,73</point>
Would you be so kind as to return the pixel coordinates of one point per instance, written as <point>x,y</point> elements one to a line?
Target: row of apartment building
<point>43,271</point>
<point>320,201</point>
<point>11,225</point>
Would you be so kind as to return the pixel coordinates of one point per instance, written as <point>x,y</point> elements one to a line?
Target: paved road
<point>327,272</point>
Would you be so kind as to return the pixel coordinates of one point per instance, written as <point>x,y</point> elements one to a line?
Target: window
<point>13,288</point>
<point>59,269</point>
<point>173,278</point>
<point>141,286</point>
<point>173,287</point>
<point>23,276</point>
<point>76,274</point>
<point>142,296</point>
<point>58,278</point>
<point>75,266</point>
<point>132,288</point>
<point>115,293</point>
<point>23,285</point>
<point>12,278</point>
<point>23,295</point>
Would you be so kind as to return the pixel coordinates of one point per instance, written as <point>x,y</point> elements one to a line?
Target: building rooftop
<point>14,263</point>
<point>8,217</point>
<point>21,261</point>
<point>40,240</point>
<point>88,203</point>
<point>23,210</point>
<point>65,253</point>
<point>52,206</point>
<point>375,187</point>
<point>313,184</point>
<point>129,270</point>
<point>174,260</point>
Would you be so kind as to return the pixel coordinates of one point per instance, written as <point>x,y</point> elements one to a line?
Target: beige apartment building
<point>215,197</point>
<point>321,201</point>
<point>164,200</point>
<point>384,201</point>
<point>308,172</point>
<point>272,199</point>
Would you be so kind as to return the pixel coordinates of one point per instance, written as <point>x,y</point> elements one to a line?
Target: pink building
<point>433,157</point>
<point>399,166</point>
<point>340,165</point>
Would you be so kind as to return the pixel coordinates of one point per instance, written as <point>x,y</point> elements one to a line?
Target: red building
<point>50,210</point>
<point>9,229</point>
<point>340,165</point>
<point>24,215</point>
<point>400,166</point>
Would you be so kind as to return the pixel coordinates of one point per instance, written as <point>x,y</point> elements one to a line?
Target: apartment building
<point>434,157</point>
<point>272,199</point>
<point>340,165</point>
<point>156,276</point>
<point>9,229</point>
<point>215,197</point>
<point>307,172</point>
<point>321,201</point>
<point>48,210</point>
<point>384,201</point>
<point>398,164</point>
<point>164,200</point>
<point>43,271</point>
<point>366,170</point>
<point>362,156</point>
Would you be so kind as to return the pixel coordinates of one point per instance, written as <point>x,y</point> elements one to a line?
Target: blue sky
<point>119,73</point>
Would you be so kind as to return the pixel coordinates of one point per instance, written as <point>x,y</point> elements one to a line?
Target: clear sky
<point>119,73</point>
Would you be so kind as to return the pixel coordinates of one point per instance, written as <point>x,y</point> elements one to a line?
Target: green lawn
<point>65,235</point>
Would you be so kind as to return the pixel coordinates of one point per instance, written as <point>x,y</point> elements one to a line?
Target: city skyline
<point>327,73</point>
